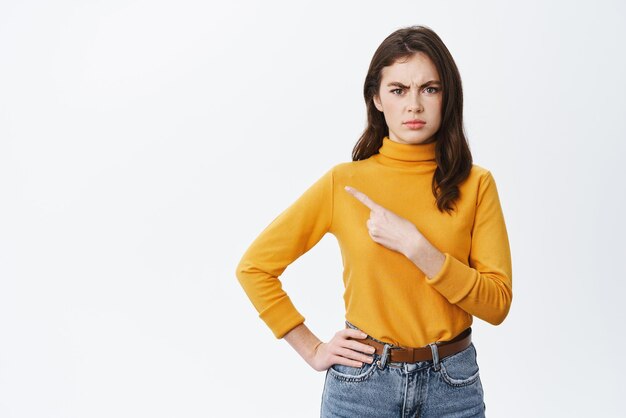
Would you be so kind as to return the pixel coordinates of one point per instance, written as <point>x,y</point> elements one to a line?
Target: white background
<point>145,144</point>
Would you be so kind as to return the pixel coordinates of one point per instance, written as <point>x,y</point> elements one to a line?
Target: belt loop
<point>383,359</point>
<point>435,351</point>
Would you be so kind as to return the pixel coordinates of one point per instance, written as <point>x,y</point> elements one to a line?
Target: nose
<point>415,104</point>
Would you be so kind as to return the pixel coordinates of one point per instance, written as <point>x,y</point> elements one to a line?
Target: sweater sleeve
<point>291,234</point>
<point>484,287</point>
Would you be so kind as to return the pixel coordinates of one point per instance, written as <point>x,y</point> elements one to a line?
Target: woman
<point>423,242</point>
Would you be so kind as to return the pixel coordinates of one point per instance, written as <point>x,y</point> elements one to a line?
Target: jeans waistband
<point>432,352</point>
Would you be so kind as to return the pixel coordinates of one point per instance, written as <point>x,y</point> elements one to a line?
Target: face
<point>408,91</point>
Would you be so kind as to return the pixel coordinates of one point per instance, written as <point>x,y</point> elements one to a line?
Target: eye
<point>398,89</point>
<point>436,89</point>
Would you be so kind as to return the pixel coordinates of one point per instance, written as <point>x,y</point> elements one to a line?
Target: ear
<point>377,102</point>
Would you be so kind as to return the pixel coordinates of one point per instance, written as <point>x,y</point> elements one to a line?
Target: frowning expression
<point>410,96</point>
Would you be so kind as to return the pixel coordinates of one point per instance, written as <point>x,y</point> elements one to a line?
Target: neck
<point>396,154</point>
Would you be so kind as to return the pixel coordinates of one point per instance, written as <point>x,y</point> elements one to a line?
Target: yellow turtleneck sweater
<point>386,295</point>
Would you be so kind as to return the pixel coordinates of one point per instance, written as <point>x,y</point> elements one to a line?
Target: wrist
<point>303,341</point>
<point>426,257</point>
<point>415,247</point>
<point>314,350</point>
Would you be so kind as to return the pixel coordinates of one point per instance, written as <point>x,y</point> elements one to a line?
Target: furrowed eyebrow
<point>398,84</point>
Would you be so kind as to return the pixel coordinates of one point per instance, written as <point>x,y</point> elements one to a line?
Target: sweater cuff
<point>455,279</point>
<point>281,317</point>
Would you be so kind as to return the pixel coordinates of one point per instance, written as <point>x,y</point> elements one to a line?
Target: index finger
<point>354,333</point>
<point>363,198</point>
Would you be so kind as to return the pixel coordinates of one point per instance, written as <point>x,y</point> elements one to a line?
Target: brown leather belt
<point>415,354</point>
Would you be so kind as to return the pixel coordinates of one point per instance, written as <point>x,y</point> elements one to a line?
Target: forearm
<point>486,295</point>
<point>303,341</point>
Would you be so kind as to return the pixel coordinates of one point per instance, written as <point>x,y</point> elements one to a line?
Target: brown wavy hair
<point>452,153</point>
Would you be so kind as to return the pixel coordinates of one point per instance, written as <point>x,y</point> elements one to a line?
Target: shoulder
<point>330,175</point>
<point>348,166</point>
<point>483,185</point>
<point>478,180</point>
<point>479,176</point>
<point>346,169</point>
<point>479,172</point>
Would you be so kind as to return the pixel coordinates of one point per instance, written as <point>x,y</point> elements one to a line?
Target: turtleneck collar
<point>397,154</point>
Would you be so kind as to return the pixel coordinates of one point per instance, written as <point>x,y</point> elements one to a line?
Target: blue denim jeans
<point>447,387</point>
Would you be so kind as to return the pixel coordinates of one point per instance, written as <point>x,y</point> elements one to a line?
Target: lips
<point>414,122</point>
<point>417,124</point>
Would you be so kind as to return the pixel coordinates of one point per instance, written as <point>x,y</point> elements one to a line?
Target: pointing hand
<point>387,228</point>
